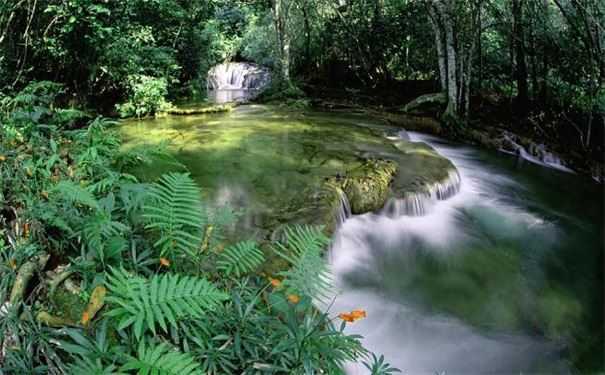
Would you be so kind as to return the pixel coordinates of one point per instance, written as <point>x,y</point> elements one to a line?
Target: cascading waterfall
<point>418,204</point>
<point>535,153</point>
<point>384,263</point>
<point>237,76</point>
<point>344,210</point>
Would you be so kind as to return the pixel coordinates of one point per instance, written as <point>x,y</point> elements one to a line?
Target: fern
<point>162,299</point>
<point>162,360</point>
<point>240,258</point>
<point>176,212</point>
<point>308,274</point>
<point>74,193</point>
<point>90,367</point>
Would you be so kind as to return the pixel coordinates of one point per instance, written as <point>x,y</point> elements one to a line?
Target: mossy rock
<point>422,168</point>
<point>426,104</point>
<point>367,187</point>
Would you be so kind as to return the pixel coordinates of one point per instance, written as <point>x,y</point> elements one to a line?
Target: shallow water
<point>258,158</point>
<point>505,277</point>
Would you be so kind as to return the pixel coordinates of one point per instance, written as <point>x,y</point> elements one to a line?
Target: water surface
<point>506,277</point>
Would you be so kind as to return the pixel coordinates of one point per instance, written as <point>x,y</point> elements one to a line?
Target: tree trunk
<point>280,19</point>
<point>519,53</point>
<point>440,47</point>
<point>452,81</point>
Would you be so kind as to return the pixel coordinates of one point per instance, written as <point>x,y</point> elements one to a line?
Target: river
<point>506,276</point>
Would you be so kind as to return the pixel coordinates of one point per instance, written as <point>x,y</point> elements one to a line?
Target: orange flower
<point>352,316</point>
<point>358,314</point>
<point>85,317</point>
<point>164,262</point>
<point>26,230</point>
<point>275,282</point>
<point>346,317</point>
<point>293,298</point>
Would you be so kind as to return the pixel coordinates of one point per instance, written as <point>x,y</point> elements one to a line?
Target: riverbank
<point>491,127</point>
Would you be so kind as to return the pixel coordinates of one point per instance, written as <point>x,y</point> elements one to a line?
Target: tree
<point>454,24</point>
<point>281,15</point>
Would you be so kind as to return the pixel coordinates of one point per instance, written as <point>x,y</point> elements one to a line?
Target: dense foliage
<point>536,65</point>
<point>104,274</point>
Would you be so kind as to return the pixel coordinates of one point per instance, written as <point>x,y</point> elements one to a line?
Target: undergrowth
<point>104,274</point>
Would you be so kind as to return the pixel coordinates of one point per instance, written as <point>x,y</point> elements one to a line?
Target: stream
<point>504,277</point>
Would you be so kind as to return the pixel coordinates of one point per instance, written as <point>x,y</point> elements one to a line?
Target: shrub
<point>147,96</point>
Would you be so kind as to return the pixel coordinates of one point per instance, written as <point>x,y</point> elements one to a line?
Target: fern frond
<point>309,274</point>
<point>240,259</point>
<point>161,300</point>
<point>73,193</point>
<point>90,367</point>
<point>162,360</point>
<point>176,213</point>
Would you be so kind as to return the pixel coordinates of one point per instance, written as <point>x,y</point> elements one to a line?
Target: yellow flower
<point>2,158</point>
<point>293,298</point>
<point>164,262</point>
<point>44,194</point>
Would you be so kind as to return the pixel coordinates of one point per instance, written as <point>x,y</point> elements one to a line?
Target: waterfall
<point>419,203</point>
<point>344,210</point>
<point>237,76</point>
<point>535,153</point>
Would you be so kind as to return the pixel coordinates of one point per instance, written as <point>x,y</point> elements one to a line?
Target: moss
<point>67,305</point>
<point>367,187</point>
<point>199,110</point>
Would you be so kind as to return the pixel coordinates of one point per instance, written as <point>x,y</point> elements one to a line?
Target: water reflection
<point>232,95</point>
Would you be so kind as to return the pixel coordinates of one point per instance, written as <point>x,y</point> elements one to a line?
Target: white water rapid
<point>237,76</point>
<point>376,260</point>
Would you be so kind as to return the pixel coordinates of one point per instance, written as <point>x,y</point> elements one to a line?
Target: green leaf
<point>240,259</point>
<point>164,298</point>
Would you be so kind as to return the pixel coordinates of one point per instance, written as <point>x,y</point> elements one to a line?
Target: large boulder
<point>429,104</point>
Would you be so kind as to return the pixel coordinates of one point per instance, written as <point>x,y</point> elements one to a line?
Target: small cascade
<point>535,153</point>
<point>237,76</point>
<point>418,204</point>
<point>344,211</point>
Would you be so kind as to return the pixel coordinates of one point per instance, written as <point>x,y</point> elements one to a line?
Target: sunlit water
<point>505,277</point>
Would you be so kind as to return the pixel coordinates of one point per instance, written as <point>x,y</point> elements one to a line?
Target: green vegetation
<point>105,274</point>
<point>112,264</point>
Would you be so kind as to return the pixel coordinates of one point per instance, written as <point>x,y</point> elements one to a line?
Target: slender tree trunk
<point>280,19</point>
<point>452,64</point>
<point>440,47</point>
<point>519,53</point>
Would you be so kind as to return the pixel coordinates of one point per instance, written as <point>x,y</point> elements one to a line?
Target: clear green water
<point>262,158</point>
